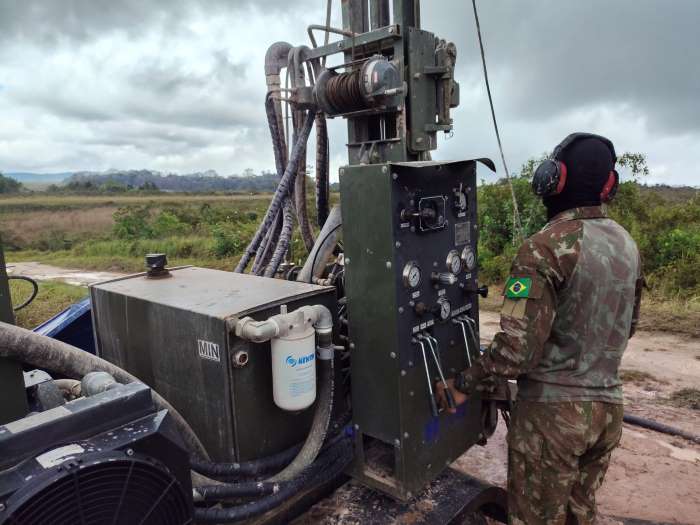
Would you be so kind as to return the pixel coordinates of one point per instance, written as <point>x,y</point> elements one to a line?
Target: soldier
<point>570,306</point>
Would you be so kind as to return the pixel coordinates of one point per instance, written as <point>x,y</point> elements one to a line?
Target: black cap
<point>156,262</point>
<point>589,162</point>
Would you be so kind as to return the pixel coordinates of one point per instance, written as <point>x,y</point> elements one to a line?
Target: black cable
<point>516,211</point>
<point>323,241</point>
<point>35,290</point>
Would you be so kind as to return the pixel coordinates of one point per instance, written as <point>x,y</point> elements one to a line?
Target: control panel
<point>411,285</point>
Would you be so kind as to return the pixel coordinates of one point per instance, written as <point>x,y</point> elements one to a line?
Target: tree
<point>9,185</point>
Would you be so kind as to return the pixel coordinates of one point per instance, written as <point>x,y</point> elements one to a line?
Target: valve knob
<point>445,278</point>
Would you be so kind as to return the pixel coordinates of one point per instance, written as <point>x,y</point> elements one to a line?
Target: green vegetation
<point>52,298</point>
<point>667,231</point>
<point>9,185</point>
<point>114,231</point>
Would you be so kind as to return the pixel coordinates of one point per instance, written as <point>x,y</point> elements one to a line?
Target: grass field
<point>114,232</point>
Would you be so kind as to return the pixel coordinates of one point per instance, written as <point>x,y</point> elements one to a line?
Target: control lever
<point>483,291</point>
<point>433,350</point>
<point>431,395</point>
<point>460,322</point>
<point>471,324</point>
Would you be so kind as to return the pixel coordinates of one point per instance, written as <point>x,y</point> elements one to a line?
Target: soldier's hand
<point>442,396</point>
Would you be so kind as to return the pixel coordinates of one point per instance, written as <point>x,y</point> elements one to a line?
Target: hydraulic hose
<point>284,239</point>
<point>40,351</point>
<point>307,235</point>
<point>325,243</point>
<point>264,254</point>
<point>245,469</point>
<point>280,193</point>
<point>660,427</point>
<point>256,488</point>
<point>321,472</point>
<point>322,170</point>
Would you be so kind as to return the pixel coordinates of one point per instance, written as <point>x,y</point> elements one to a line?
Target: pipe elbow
<point>276,57</point>
<point>256,331</point>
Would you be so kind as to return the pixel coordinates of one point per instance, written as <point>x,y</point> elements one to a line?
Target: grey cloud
<point>50,22</point>
<point>550,57</point>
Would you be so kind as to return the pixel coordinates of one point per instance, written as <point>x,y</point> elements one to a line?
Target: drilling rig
<point>283,380</point>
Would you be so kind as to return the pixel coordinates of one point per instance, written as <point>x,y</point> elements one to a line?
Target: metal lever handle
<point>431,395</point>
<point>460,322</point>
<point>448,394</point>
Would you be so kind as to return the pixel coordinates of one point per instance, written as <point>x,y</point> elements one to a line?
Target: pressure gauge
<point>411,275</point>
<point>454,262</point>
<point>444,309</point>
<point>469,258</point>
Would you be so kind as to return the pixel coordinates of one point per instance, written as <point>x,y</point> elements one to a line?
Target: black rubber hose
<point>35,290</point>
<point>659,427</point>
<point>322,170</point>
<point>40,351</point>
<point>245,468</point>
<point>280,193</point>
<point>302,212</point>
<point>321,472</point>
<point>284,239</point>
<point>262,258</point>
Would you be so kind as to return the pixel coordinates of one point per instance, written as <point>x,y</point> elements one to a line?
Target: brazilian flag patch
<point>518,287</point>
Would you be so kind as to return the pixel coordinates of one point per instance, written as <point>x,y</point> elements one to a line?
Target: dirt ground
<point>653,478</point>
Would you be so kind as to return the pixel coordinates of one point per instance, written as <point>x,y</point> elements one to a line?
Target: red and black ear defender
<point>550,176</point>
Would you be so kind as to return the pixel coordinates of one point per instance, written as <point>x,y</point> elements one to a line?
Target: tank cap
<point>155,265</point>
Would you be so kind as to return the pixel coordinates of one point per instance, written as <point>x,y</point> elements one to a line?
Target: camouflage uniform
<point>570,307</point>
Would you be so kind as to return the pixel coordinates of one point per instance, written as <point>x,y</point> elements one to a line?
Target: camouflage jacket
<point>569,308</point>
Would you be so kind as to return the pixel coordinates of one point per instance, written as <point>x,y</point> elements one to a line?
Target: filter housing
<point>176,334</point>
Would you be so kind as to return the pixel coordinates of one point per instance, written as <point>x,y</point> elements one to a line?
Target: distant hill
<point>193,182</point>
<point>38,178</point>
<point>673,194</point>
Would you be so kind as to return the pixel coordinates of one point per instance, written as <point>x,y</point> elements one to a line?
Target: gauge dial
<point>412,275</point>
<point>454,262</point>
<point>444,309</point>
<point>469,258</point>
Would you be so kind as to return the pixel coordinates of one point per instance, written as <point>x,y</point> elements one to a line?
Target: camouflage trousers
<point>558,454</point>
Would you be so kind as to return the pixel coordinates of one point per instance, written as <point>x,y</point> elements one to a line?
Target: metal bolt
<point>2,507</point>
<point>388,265</point>
<point>397,442</point>
<point>400,309</point>
<point>356,426</point>
<point>416,76</point>
<point>411,303</point>
<point>394,176</point>
<point>413,229</point>
<point>398,244</point>
<point>410,363</point>
<point>391,30</point>
<point>435,264</point>
<point>403,373</point>
<point>384,169</point>
<point>411,393</point>
<point>392,355</point>
<point>405,435</point>
<point>129,451</point>
<point>419,140</point>
<point>352,346</point>
<point>346,260</point>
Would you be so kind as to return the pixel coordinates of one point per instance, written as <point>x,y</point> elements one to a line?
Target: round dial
<point>469,258</point>
<point>412,275</point>
<point>454,263</point>
<point>445,309</point>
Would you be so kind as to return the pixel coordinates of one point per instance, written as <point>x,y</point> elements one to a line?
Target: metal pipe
<point>279,325</point>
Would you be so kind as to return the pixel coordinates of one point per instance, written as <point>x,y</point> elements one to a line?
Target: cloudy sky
<point>178,85</point>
